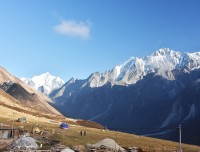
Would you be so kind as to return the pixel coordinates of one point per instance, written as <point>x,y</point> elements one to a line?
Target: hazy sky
<point>74,38</point>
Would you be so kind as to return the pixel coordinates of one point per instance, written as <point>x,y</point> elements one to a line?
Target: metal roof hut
<point>22,119</point>
<point>64,125</point>
<point>6,133</point>
<point>26,143</point>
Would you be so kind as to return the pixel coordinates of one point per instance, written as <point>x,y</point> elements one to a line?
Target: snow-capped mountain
<point>44,83</point>
<point>156,91</point>
<point>162,62</point>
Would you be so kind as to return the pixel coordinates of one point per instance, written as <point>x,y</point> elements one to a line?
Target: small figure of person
<point>84,133</point>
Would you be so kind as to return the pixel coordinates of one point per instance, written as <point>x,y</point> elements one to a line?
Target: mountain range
<point>18,100</point>
<point>161,62</point>
<point>148,96</point>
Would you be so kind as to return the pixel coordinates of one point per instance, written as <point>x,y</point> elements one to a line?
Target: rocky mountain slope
<point>22,93</point>
<point>44,83</point>
<point>157,91</point>
<point>161,62</point>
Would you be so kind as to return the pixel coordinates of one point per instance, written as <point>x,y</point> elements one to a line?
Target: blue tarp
<point>64,125</point>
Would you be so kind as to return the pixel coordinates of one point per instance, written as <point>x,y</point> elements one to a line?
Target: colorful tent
<point>64,125</point>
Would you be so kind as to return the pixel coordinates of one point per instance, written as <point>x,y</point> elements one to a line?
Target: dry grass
<point>71,136</point>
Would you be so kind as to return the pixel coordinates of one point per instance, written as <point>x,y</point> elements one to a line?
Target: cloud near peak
<point>74,29</point>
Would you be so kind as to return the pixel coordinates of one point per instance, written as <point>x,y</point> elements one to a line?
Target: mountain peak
<point>72,80</point>
<point>190,61</point>
<point>46,73</point>
<point>46,81</point>
<point>166,52</point>
<point>134,69</point>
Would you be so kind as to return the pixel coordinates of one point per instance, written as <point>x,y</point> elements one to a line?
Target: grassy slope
<point>71,137</point>
<point>10,109</point>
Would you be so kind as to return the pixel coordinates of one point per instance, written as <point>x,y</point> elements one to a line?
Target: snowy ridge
<point>44,83</point>
<point>161,62</point>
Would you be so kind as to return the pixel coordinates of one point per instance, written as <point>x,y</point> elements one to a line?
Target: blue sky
<point>74,38</point>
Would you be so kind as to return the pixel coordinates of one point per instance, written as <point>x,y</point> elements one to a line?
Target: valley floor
<point>71,137</point>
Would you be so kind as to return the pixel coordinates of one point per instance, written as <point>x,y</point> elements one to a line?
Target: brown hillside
<point>13,105</point>
<point>30,100</point>
<point>8,101</point>
<point>25,94</point>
